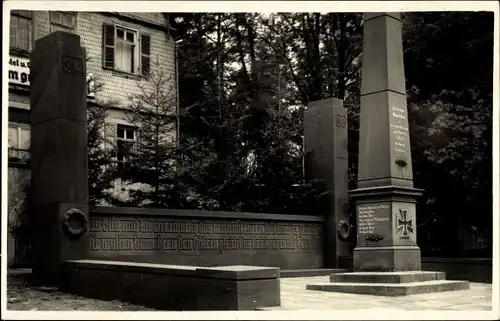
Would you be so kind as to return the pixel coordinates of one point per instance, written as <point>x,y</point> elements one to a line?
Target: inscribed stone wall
<point>207,240</point>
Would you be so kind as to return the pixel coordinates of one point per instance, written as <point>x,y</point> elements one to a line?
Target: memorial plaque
<point>400,149</point>
<point>374,223</point>
<point>176,240</point>
<point>399,130</point>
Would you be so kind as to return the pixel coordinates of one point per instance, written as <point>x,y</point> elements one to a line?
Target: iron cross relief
<point>404,224</point>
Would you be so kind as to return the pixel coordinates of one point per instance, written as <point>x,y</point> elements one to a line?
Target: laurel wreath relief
<point>74,214</point>
<point>343,230</point>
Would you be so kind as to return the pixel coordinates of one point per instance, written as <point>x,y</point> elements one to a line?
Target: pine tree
<point>151,164</point>
<point>101,167</point>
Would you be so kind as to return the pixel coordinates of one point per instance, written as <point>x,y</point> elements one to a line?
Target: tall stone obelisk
<point>385,198</point>
<point>386,258</point>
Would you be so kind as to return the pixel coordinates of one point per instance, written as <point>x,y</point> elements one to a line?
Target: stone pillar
<point>58,154</point>
<point>385,198</point>
<point>325,144</point>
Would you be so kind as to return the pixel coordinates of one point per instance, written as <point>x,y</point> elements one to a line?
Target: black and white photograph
<point>256,159</point>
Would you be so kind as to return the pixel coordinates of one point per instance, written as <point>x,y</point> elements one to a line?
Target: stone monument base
<point>389,283</point>
<point>387,259</point>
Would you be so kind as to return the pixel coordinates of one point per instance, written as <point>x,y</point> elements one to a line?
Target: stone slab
<point>387,277</point>
<point>391,289</point>
<point>239,272</point>
<point>171,287</point>
<point>309,272</point>
<point>137,267</point>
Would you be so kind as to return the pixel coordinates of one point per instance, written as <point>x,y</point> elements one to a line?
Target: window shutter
<point>145,54</point>
<point>108,46</point>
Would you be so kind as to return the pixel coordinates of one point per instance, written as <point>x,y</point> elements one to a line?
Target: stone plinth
<point>175,287</point>
<point>389,283</point>
<point>387,230</point>
<point>387,277</point>
<point>58,154</point>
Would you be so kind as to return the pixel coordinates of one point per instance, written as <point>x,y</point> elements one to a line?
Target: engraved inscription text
<point>367,217</point>
<point>115,233</point>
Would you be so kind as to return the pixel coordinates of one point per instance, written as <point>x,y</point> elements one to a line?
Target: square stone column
<point>58,154</point>
<point>325,145</point>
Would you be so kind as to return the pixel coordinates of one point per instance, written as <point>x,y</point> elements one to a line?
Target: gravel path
<point>21,296</point>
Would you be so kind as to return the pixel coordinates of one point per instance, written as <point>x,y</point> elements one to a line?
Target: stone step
<point>387,277</point>
<point>391,289</point>
<point>309,272</point>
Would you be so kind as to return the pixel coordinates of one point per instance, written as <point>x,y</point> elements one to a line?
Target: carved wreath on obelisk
<point>74,217</point>
<point>405,225</point>
<point>343,230</point>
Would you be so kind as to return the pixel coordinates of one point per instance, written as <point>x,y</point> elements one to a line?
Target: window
<point>21,30</point>
<point>19,136</point>
<point>62,21</point>
<point>126,50</point>
<point>125,54</point>
<point>125,139</point>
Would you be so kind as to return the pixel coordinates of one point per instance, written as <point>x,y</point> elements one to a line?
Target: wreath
<point>78,215</point>
<point>343,230</point>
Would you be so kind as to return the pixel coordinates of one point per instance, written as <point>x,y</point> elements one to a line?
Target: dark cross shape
<point>405,224</point>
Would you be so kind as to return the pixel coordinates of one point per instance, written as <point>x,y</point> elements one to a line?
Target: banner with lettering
<point>19,71</point>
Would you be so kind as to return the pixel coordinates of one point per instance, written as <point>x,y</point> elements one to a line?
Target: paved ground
<point>294,296</point>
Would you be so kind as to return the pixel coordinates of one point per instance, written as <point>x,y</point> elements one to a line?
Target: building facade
<point>120,47</point>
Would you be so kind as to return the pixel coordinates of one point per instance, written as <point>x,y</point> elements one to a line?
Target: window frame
<point>136,51</point>
<point>60,23</point>
<point>142,61</point>
<point>19,127</point>
<point>122,162</point>
<point>29,16</point>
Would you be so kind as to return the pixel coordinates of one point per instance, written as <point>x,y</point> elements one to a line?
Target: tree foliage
<point>449,69</point>
<point>101,167</point>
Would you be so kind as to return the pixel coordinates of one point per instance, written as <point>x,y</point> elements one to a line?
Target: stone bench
<point>174,287</point>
